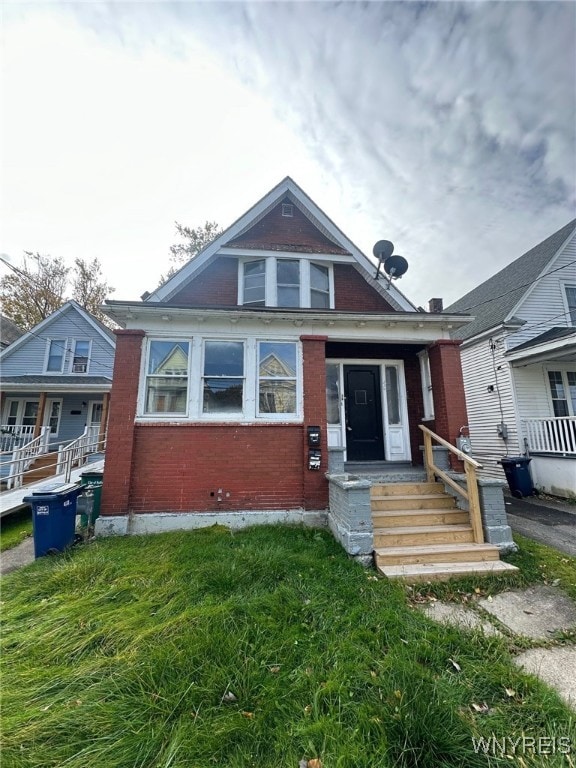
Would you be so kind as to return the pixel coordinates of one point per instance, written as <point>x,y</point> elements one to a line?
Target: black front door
<point>364,434</point>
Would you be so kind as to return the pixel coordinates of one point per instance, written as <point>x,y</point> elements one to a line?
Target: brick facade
<point>353,294</point>
<point>120,440</point>
<point>286,233</point>
<point>448,390</point>
<point>216,286</point>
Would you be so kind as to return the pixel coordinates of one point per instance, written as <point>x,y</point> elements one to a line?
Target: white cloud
<point>447,127</point>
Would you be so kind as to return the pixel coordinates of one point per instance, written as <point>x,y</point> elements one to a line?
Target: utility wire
<point>524,285</point>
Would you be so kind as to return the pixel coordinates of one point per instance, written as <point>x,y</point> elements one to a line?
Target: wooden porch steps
<point>421,535</point>
<point>44,466</point>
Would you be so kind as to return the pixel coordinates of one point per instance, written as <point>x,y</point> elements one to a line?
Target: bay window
<point>280,282</point>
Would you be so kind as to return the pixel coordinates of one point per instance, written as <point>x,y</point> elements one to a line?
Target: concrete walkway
<point>539,613</point>
<point>18,556</point>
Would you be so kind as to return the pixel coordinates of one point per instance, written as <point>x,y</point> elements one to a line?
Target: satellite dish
<point>395,266</point>
<point>383,249</point>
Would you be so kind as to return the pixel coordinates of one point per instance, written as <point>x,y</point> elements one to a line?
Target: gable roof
<point>70,307</point>
<point>242,232</point>
<point>9,331</point>
<point>493,301</point>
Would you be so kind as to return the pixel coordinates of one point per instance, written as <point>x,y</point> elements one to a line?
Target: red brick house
<point>268,360</point>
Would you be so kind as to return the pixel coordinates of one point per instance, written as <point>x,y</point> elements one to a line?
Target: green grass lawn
<point>262,648</point>
<point>15,528</point>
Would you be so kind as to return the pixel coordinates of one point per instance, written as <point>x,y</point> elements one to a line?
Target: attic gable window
<point>287,210</point>
<point>282,282</point>
<point>55,355</point>
<point>81,356</point>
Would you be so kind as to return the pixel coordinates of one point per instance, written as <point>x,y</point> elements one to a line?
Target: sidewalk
<point>543,519</point>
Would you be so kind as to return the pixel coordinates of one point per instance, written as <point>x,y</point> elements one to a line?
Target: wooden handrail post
<point>474,503</point>
<point>428,457</point>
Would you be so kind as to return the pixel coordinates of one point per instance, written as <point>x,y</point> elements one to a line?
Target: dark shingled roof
<point>51,380</point>
<point>9,332</point>
<point>508,285</point>
<point>552,334</point>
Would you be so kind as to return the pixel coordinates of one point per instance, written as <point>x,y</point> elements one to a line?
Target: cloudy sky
<point>448,127</point>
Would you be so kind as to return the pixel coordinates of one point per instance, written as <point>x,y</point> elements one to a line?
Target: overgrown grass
<point>125,653</point>
<point>15,528</point>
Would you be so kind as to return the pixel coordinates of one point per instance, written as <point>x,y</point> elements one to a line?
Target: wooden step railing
<point>470,492</point>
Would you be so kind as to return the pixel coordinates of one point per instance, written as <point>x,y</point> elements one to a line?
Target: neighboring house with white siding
<point>519,364</point>
<point>56,380</point>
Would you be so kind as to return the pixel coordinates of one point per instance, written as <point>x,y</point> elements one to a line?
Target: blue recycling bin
<point>53,517</point>
<point>518,475</point>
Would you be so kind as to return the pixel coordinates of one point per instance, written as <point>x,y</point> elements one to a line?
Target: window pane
<point>288,297</point>
<point>56,355</point>
<point>319,277</point>
<point>559,402</point>
<point>319,300</point>
<point>332,394</point>
<point>166,395</point>
<point>223,395</point>
<point>572,389</point>
<point>255,283</point>
<point>277,396</point>
<point>288,283</point>
<point>30,413</point>
<point>277,377</point>
<point>54,418</point>
<point>168,358</point>
<point>392,396</point>
<point>288,272</point>
<point>277,359</point>
<point>224,358</point>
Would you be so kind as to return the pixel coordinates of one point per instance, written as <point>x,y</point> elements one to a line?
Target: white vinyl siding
<point>486,409</point>
<point>546,306</point>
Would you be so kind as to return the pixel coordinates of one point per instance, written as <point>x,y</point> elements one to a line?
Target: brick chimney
<point>435,305</point>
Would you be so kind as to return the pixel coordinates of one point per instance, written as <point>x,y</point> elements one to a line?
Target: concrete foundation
<point>159,522</point>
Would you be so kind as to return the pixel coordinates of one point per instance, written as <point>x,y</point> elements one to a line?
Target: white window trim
<point>195,400</point>
<point>47,355</point>
<point>563,370</point>
<point>144,375</point>
<point>223,415</point>
<point>73,355</point>
<point>566,285</point>
<point>271,285</point>
<point>49,403</point>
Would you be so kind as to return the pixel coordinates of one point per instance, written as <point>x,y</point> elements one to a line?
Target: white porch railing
<point>74,454</point>
<point>24,456</point>
<point>14,436</point>
<point>555,435</point>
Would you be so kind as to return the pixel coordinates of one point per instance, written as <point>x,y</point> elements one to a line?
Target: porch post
<point>122,410</point>
<point>315,485</point>
<point>104,419</point>
<point>40,414</point>
<point>447,389</point>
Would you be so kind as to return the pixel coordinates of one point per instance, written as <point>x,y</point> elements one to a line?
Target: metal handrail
<point>470,493</point>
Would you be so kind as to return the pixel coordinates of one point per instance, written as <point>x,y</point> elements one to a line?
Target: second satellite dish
<point>394,266</point>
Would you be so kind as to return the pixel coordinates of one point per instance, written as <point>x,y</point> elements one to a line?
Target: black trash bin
<point>53,517</point>
<point>518,475</point>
